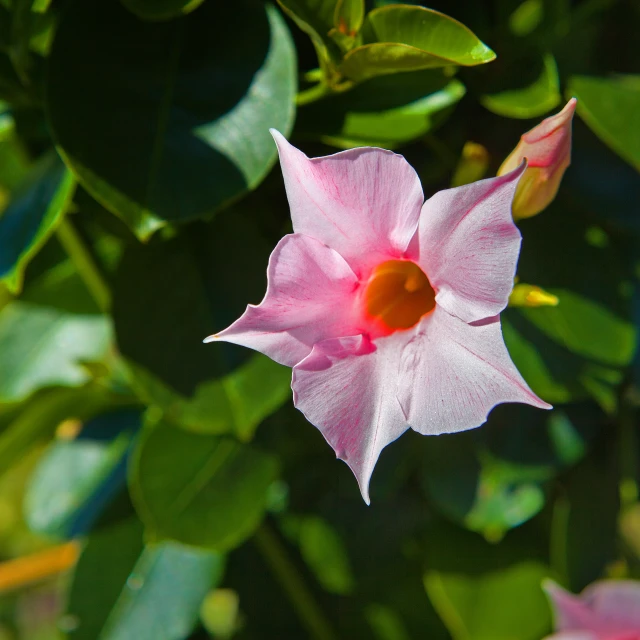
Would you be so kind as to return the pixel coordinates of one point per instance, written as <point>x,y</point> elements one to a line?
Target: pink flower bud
<point>547,148</point>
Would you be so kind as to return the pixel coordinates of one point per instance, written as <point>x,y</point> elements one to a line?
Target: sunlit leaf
<point>75,478</point>
<point>167,578</point>
<point>31,216</point>
<point>528,102</point>
<point>45,347</point>
<point>199,490</point>
<point>405,38</point>
<point>336,122</point>
<point>503,605</point>
<point>610,107</point>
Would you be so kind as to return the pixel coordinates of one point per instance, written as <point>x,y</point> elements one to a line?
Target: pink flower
<point>606,610</point>
<point>547,148</point>
<point>385,307</point>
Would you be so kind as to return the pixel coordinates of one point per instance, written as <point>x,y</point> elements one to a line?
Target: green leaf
<point>501,605</point>
<point>169,579</point>
<point>166,300</point>
<point>200,490</point>
<point>348,16</point>
<point>587,328</point>
<point>34,210</point>
<point>528,102</point>
<point>317,19</point>
<point>161,9</point>
<point>234,404</point>
<point>344,121</point>
<point>187,133</point>
<point>406,38</point>
<point>485,493</point>
<point>44,347</point>
<point>70,484</point>
<point>610,107</point>
<point>526,17</point>
<point>40,415</point>
<point>325,553</point>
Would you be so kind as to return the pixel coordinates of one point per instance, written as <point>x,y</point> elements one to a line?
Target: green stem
<point>558,551</point>
<point>292,583</point>
<point>86,266</point>
<point>313,94</point>
<point>628,458</point>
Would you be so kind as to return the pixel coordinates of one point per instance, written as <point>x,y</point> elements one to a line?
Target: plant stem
<point>292,583</point>
<point>558,552</point>
<point>87,268</point>
<point>317,92</point>
<point>627,444</point>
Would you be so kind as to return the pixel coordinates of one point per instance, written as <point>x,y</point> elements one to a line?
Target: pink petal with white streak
<point>310,297</point>
<point>452,374</point>
<point>346,388</point>
<point>364,203</point>
<point>469,246</point>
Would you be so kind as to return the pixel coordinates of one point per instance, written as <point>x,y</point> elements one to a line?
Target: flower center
<point>398,294</point>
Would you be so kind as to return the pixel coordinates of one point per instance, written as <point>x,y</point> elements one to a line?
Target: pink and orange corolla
<point>385,306</point>
<point>606,610</point>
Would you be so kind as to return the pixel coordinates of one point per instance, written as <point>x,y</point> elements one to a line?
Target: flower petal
<point>469,246</point>
<point>452,374</point>
<point>310,295</point>
<point>615,602</point>
<point>346,388</point>
<point>364,203</point>
<point>571,613</point>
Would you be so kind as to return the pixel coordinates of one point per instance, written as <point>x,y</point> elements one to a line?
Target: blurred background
<point>154,488</point>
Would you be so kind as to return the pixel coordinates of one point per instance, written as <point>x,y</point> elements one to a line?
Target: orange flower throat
<point>398,294</point>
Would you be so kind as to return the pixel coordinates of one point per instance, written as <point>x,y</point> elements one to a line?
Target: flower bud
<point>529,295</point>
<point>547,148</point>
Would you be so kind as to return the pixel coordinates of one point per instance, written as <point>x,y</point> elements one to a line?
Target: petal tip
<point>211,338</point>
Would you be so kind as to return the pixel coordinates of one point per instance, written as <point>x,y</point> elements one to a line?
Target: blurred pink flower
<point>385,307</point>
<point>547,148</point>
<point>606,610</point>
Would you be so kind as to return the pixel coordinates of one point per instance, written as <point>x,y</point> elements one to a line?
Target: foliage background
<point>140,203</point>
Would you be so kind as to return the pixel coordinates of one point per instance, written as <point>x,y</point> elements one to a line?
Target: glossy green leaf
<point>529,102</point>
<point>503,605</point>
<point>395,127</point>
<point>45,347</point>
<point>31,216</point>
<point>161,9</point>
<point>610,107</point>
<point>405,38</point>
<point>167,578</point>
<point>384,111</point>
<point>110,553</point>
<point>201,490</point>
<point>186,132</point>
<point>75,477</point>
